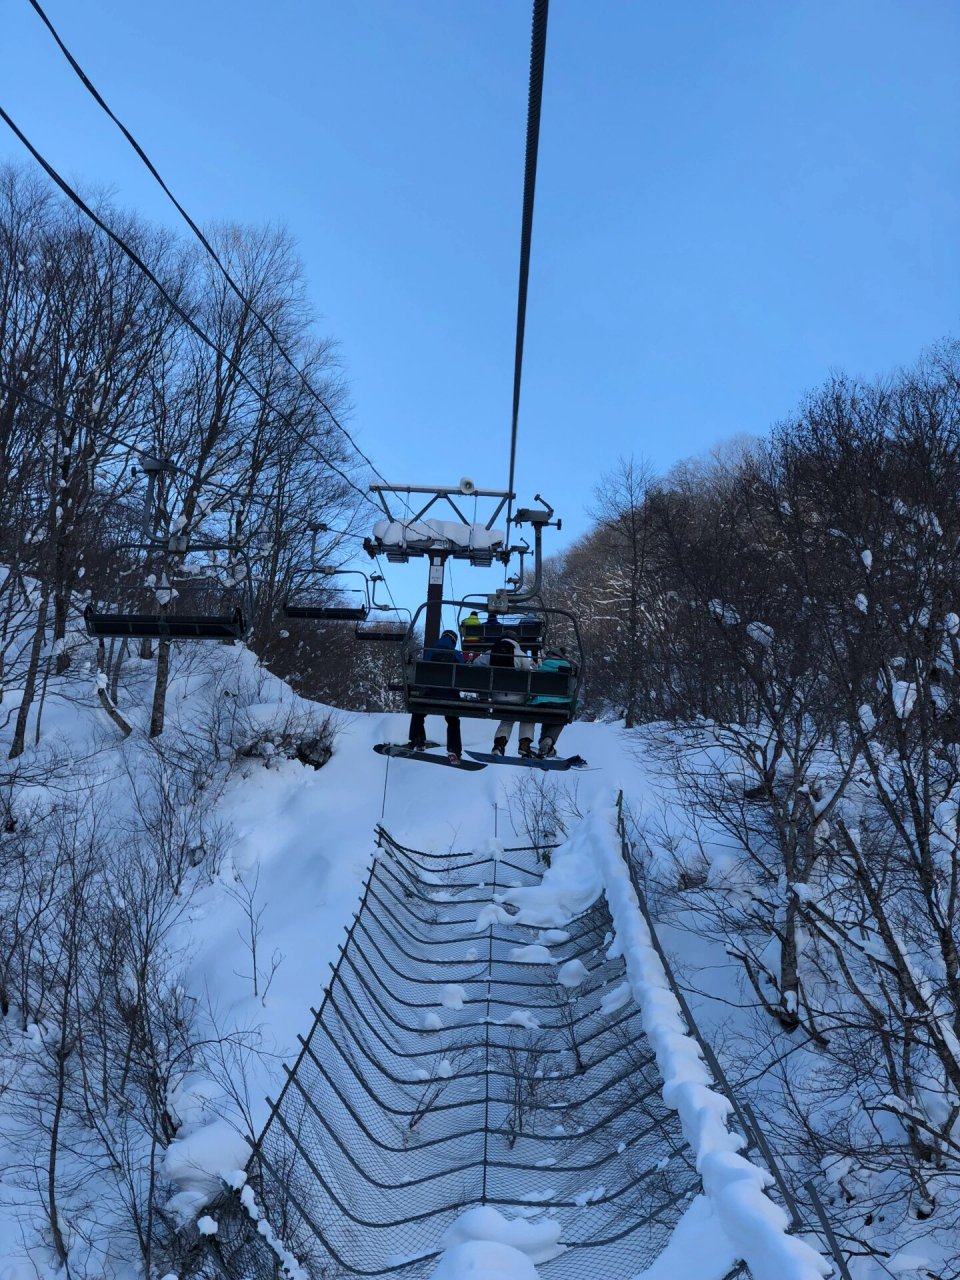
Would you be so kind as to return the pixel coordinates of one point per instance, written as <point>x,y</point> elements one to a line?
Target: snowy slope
<point>259,918</point>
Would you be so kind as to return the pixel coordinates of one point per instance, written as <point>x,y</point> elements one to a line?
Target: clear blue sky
<point>735,197</point>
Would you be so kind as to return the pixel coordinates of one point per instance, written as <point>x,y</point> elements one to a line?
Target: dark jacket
<point>445,650</point>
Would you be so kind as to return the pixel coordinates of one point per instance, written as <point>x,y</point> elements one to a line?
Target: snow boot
<point>524,747</point>
<point>547,751</point>
<point>417,746</point>
<point>499,746</point>
<point>452,757</point>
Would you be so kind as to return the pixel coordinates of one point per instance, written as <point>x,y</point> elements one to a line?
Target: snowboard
<point>424,757</point>
<point>531,762</point>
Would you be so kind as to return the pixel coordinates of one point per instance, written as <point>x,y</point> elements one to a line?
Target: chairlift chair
<point>354,611</point>
<point>166,626</point>
<point>490,692</point>
<point>159,623</point>
<point>527,627</point>
<point>391,624</point>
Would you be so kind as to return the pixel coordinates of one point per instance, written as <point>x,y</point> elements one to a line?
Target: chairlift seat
<point>490,691</point>
<point>332,613</point>
<point>382,633</point>
<point>146,626</point>
<point>528,633</point>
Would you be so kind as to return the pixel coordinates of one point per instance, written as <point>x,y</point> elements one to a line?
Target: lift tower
<point>416,533</point>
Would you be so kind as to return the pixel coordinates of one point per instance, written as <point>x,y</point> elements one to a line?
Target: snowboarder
<point>445,650</point>
<point>553,660</point>
<point>507,653</point>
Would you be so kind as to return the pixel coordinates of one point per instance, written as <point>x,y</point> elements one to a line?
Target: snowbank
<point>736,1188</point>
<point>484,1245</point>
<point>591,863</point>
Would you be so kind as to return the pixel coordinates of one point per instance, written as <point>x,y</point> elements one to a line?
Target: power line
<point>538,49</point>
<point>91,88</point>
<point>178,310</point>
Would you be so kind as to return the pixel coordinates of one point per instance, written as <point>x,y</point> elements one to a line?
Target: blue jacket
<point>445,650</point>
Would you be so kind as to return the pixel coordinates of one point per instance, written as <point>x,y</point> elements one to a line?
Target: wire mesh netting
<point>449,1068</point>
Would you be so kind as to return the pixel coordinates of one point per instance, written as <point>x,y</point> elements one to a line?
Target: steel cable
<point>538,49</point>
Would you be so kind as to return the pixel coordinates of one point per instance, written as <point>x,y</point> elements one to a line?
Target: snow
<point>302,841</point>
<point>698,1248</point>
<point>761,634</point>
<point>616,999</point>
<point>485,1260</point>
<point>453,996</point>
<point>438,533</point>
<point>724,613</point>
<point>904,695</point>
<point>198,1162</point>
<point>534,953</point>
<point>522,1018</point>
<point>484,1245</point>
<point>572,973</point>
<point>570,886</point>
<point>736,1188</point>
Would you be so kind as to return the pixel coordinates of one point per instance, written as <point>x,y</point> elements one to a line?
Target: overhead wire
<point>204,241</point>
<point>176,307</point>
<point>538,49</point>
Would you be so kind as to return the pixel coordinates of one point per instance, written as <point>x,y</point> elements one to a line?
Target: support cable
<point>176,307</point>
<point>265,325</point>
<point>538,49</point>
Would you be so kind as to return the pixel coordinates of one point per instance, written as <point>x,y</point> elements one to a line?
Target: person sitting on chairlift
<point>471,629</point>
<point>507,653</point>
<point>553,660</point>
<point>445,650</point>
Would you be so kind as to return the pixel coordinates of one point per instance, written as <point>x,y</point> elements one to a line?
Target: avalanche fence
<point>445,1069</point>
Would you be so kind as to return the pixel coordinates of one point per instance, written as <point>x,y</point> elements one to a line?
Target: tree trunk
<point>789,1011</point>
<point>30,682</point>
<point>160,689</point>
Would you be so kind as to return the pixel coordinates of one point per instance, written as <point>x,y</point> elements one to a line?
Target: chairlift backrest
<point>502,654</point>
<point>157,626</point>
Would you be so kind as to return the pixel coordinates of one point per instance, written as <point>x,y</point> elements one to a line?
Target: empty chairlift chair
<point>386,623</point>
<point>334,604</point>
<point>166,626</point>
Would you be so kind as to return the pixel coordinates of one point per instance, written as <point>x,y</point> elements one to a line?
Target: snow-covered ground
<point>284,849</point>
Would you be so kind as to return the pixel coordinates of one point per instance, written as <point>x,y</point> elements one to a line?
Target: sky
<point>735,198</point>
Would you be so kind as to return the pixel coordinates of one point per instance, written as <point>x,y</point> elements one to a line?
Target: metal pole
<point>832,1241</point>
<point>431,629</point>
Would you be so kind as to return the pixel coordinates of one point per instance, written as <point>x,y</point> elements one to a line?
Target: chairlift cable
<point>538,48</point>
<point>386,583</point>
<point>178,310</point>
<point>98,98</point>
